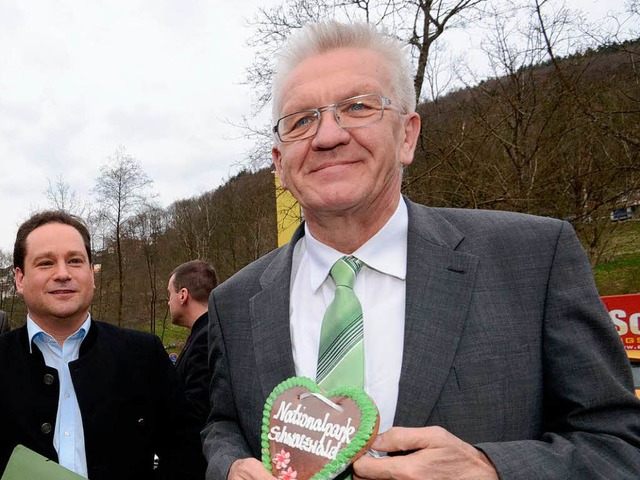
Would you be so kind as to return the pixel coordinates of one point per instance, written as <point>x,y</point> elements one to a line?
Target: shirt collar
<point>35,331</point>
<point>385,252</point>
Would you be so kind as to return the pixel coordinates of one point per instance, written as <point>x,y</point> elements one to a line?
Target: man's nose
<point>330,133</point>
<point>62,271</point>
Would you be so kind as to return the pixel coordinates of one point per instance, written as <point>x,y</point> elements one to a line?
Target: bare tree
<point>228,227</point>
<point>145,231</point>
<point>195,223</point>
<point>122,190</point>
<point>61,197</point>
<point>429,19</point>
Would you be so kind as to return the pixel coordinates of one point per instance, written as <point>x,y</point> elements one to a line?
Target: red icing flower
<point>282,460</point>
<point>289,474</point>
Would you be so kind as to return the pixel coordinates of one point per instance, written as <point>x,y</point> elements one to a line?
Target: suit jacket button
<point>46,428</point>
<point>49,379</point>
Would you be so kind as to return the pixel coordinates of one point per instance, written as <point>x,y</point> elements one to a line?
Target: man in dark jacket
<point>188,291</point>
<point>100,400</point>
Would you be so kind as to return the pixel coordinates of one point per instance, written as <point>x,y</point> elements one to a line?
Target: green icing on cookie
<point>368,423</point>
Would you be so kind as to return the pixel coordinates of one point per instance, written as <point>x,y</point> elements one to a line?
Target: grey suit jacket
<point>507,346</point>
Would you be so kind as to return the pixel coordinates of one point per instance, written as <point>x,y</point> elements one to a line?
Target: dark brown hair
<point>43,218</point>
<point>197,276</point>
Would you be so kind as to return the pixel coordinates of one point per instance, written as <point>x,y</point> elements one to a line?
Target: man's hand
<point>435,454</point>
<point>248,469</point>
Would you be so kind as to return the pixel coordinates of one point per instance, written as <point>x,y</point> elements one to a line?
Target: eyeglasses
<point>351,112</point>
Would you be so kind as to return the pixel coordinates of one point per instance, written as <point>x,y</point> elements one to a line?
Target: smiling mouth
<point>62,292</point>
<point>332,165</point>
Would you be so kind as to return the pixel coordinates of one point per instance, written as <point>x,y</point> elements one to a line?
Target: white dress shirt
<point>68,438</point>
<point>380,287</point>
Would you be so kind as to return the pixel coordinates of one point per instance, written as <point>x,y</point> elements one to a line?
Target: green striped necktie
<point>341,353</point>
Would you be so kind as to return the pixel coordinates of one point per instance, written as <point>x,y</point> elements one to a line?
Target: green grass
<point>173,338</point>
<point>621,275</point>
<point>626,239</point>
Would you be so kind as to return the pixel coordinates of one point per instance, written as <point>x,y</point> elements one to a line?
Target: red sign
<point>624,311</point>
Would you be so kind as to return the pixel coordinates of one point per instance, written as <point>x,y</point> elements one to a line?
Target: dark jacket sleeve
<point>178,444</point>
<point>194,371</point>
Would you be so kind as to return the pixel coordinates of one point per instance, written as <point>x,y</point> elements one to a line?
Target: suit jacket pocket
<point>482,396</point>
<point>471,401</point>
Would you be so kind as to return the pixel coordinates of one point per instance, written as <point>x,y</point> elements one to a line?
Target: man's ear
<point>411,134</point>
<point>183,295</point>
<point>19,277</point>
<point>276,154</point>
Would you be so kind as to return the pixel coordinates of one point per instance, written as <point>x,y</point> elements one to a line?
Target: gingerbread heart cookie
<point>311,435</point>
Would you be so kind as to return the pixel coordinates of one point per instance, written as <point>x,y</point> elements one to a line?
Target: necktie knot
<point>344,271</point>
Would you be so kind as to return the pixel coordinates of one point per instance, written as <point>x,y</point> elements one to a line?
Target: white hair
<point>318,38</point>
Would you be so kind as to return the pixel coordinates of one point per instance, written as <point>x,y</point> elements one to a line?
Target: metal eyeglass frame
<point>385,103</point>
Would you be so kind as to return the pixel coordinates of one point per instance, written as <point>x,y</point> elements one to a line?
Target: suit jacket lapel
<point>269,310</point>
<point>439,286</point>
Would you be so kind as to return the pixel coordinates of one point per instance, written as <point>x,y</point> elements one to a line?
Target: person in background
<point>479,334</point>
<point>102,401</point>
<point>189,287</point>
<point>4,322</point>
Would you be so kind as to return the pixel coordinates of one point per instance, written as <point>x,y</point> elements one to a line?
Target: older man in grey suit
<point>486,347</point>
<point>4,322</point>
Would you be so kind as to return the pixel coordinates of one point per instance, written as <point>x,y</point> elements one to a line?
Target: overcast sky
<point>160,77</point>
